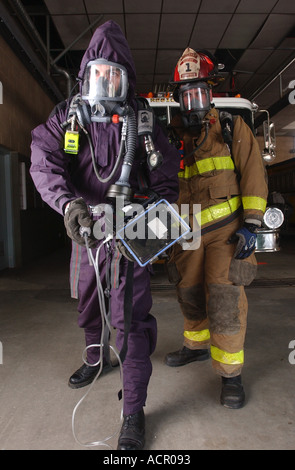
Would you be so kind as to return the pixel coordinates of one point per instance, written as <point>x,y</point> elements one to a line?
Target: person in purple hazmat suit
<point>72,184</point>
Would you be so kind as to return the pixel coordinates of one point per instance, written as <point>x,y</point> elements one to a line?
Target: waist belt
<point>218,211</point>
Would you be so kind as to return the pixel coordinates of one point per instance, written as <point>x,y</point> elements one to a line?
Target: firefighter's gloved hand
<point>77,218</point>
<point>123,250</point>
<point>245,238</point>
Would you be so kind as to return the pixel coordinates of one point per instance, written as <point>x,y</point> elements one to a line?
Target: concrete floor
<point>42,346</point>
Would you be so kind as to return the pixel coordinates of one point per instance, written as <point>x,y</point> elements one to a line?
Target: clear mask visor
<point>194,98</point>
<point>104,81</point>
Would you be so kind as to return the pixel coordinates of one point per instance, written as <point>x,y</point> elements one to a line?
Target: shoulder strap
<point>227,127</point>
<point>145,125</point>
<point>145,117</point>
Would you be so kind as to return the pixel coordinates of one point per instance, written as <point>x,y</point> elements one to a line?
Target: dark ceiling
<point>254,39</point>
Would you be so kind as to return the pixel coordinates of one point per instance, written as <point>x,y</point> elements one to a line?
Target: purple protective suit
<point>60,178</point>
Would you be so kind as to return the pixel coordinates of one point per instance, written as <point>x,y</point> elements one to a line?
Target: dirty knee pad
<point>224,309</point>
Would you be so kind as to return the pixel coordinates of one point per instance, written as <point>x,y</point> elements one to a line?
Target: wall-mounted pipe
<point>29,25</point>
<point>15,31</point>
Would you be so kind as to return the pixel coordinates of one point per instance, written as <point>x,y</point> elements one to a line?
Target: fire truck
<point>164,106</point>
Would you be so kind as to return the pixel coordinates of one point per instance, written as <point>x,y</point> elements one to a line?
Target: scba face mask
<point>194,100</point>
<point>105,87</point>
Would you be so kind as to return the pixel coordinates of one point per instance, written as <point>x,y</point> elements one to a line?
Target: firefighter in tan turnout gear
<point>230,184</point>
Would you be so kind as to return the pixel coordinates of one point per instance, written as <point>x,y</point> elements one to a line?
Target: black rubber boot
<point>232,392</point>
<point>132,432</point>
<point>185,356</point>
<point>85,375</point>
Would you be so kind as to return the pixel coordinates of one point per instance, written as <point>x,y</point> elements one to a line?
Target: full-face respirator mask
<point>105,87</point>
<point>194,100</point>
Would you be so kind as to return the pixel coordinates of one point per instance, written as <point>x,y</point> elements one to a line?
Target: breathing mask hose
<point>122,187</point>
<point>129,143</point>
<point>119,157</point>
<point>203,141</point>
<point>131,148</point>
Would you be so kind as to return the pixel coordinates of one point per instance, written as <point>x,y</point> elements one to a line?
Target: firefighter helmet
<point>195,66</point>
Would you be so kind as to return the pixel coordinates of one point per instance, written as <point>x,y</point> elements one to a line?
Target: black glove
<point>245,238</point>
<point>77,218</point>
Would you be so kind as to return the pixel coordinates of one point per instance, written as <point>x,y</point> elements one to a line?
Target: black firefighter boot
<point>132,432</point>
<point>86,374</point>
<point>232,392</point>
<point>185,356</point>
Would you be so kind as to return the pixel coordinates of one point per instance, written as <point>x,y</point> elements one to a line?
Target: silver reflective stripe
<point>115,267</point>
<point>75,269</point>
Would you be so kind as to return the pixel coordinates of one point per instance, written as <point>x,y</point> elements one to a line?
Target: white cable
<point>102,442</point>
<point>95,262</point>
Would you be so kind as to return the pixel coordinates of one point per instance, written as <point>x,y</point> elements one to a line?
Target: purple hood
<point>109,43</point>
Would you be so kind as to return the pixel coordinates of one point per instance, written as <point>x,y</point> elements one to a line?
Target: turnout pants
<point>137,367</point>
<point>212,298</point>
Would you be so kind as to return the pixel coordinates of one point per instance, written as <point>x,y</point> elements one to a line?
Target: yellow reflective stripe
<point>189,172</point>
<point>207,164</point>
<point>215,163</point>
<point>254,202</point>
<point>226,357</point>
<point>202,335</point>
<point>219,210</point>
